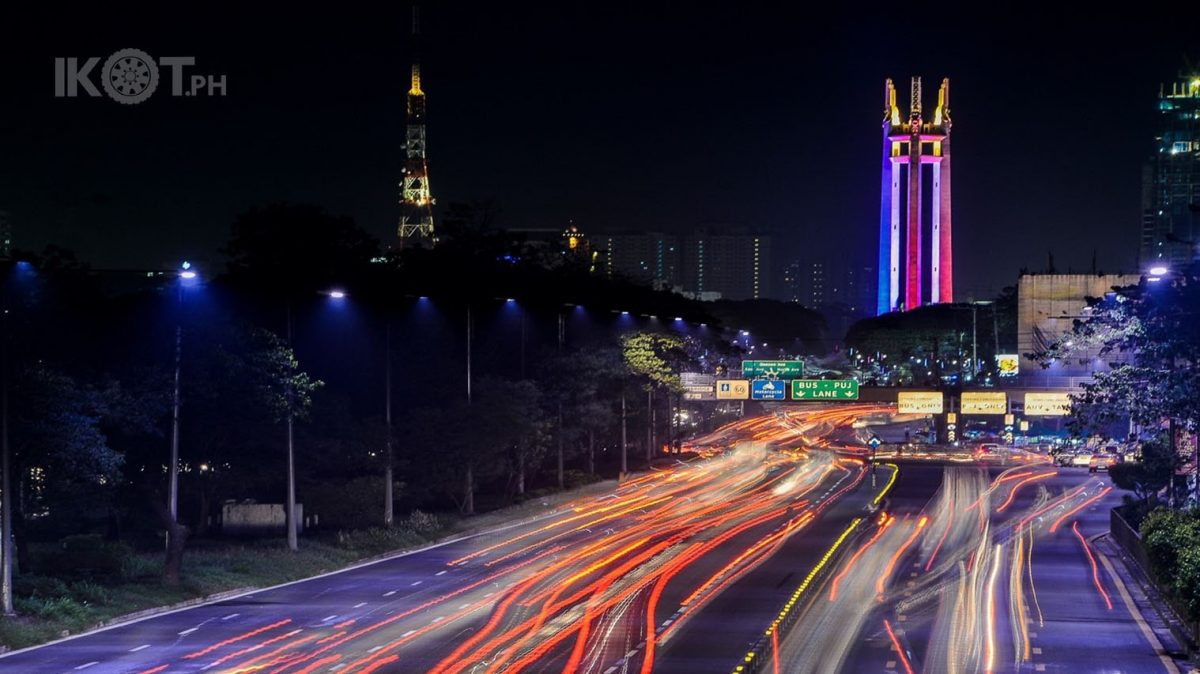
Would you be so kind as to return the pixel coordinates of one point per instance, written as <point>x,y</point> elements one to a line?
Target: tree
<point>1148,335</point>
<point>657,359</point>
<point>1148,476</point>
<point>287,391</point>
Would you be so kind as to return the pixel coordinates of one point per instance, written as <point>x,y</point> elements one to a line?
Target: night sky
<point>617,116</point>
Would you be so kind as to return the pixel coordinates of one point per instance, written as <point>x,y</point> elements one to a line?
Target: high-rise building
<point>650,257</point>
<point>416,200</point>
<point>823,282</point>
<point>705,265</point>
<point>1171,180</point>
<point>5,236</point>
<point>737,266</point>
<point>909,145</point>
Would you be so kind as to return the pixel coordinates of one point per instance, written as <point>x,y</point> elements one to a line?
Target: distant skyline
<point>616,117</point>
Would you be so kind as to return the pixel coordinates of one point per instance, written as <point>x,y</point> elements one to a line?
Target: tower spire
<point>416,200</point>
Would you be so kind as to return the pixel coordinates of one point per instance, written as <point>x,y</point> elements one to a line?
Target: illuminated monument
<point>908,145</point>
<point>416,201</point>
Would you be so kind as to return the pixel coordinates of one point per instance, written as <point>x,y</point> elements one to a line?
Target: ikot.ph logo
<point>131,76</point>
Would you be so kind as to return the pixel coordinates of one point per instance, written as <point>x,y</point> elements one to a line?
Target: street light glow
<point>337,294</point>
<point>187,274</point>
<point>1158,270</point>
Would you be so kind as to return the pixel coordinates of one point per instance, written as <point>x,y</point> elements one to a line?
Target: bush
<point>1186,586</point>
<point>422,522</point>
<point>86,556</point>
<point>574,479</point>
<point>62,609</point>
<point>378,540</point>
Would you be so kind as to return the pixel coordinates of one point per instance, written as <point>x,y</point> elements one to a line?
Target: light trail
<point>1092,560</point>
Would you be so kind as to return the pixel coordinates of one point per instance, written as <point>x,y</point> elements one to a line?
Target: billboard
<point>1008,364</point>
<point>919,402</point>
<point>733,389</point>
<point>1047,404</point>
<point>697,386</point>
<point>984,402</point>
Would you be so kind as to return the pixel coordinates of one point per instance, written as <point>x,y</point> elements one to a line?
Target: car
<point>1082,459</point>
<point>1101,462</point>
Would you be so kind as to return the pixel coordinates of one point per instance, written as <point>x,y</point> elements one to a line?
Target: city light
<point>186,272</point>
<point>337,294</point>
<point>1158,270</point>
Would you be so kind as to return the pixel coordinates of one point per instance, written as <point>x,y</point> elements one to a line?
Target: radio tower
<point>416,201</point>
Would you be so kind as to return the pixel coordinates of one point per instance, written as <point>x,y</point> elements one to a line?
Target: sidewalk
<point>1155,613</point>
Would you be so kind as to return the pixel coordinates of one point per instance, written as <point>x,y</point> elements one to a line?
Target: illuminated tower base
<point>908,146</point>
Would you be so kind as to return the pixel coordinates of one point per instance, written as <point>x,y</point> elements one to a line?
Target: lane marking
<point>372,650</point>
<point>438,619</point>
<point>1166,660</point>
<point>231,616</point>
<point>93,662</point>
<point>360,604</point>
<point>388,594</point>
<point>328,618</point>
<point>189,631</point>
<point>247,595</point>
<point>439,573</point>
<point>463,606</point>
<point>417,583</point>
<point>139,648</point>
<point>407,633</point>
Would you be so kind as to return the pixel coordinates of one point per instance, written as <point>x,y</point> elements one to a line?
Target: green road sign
<point>824,389</point>
<point>772,369</point>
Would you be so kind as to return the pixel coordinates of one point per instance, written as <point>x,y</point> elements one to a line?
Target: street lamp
<point>186,276</point>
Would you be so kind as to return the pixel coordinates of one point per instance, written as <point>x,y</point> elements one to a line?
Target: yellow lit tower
<point>416,201</point>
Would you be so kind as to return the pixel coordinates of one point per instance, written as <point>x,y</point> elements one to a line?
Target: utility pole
<point>387,418</point>
<point>561,339</point>
<point>650,419</point>
<point>624,438</point>
<point>173,469</point>
<point>469,497</point>
<point>974,343</point>
<point>6,546</point>
<point>293,543</point>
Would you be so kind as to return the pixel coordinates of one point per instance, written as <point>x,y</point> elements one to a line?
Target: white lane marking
<point>360,604</point>
<point>328,618</point>
<point>417,583</point>
<point>372,650</point>
<point>630,654</point>
<point>407,633</point>
<point>438,619</point>
<point>488,595</point>
<point>189,631</point>
<point>439,573</point>
<point>463,606</point>
<point>388,594</point>
<point>231,616</point>
<point>252,593</point>
<point>1166,660</point>
<point>93,662</point>
<point>139,648</point>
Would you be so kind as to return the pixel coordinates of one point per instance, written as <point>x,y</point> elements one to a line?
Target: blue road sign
<point>874,442</point>
<point>768,389</point>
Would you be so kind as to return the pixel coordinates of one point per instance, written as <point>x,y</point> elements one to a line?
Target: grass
<point>55,605</point>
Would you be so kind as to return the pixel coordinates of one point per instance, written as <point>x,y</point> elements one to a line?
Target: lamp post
<point>186,274</point>
<point>293,543</point>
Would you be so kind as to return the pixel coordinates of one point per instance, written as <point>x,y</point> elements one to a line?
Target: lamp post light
<point>186,275</point>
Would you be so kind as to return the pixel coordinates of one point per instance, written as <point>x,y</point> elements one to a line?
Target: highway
<point>637,580</point>
<point>954,568</point>
<point>972,569</point>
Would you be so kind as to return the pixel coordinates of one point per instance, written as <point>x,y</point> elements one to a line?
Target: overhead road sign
<point>733,389</point>
<point>767,389</point>
<point>919,402</point>
<point>697,386</point>
<point>984,402</point>
<point>1047,404</point>
<point>772,369</point>
<point>824,389</point>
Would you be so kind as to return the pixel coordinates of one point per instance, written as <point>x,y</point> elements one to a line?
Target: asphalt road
<point>959,568</point>
<point>676,571</point>
<point>1018,589</point>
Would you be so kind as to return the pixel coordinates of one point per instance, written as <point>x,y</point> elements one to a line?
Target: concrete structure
<point>907,147</point>
<point>1171,181</point>
<point>258,519</point>
<point>731,266</point>
<point>738,266</point>
<point>416,199</point>
<point>651,257</point>
<point>1047,307</point>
